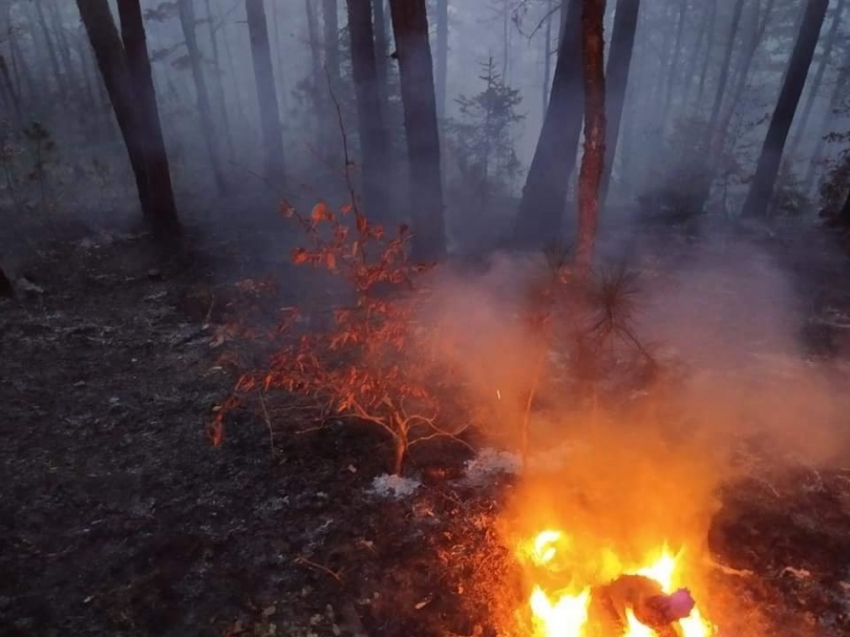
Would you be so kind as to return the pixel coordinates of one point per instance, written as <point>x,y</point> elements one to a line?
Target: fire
<point>565,612</point>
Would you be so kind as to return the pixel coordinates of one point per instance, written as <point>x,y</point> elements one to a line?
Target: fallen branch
<point>303,560</point>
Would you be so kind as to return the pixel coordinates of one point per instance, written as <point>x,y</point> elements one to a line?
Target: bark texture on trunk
<point>261,54</point>
<point>410,27</point>
<point>442,68</point>
<point>761,189</point>
<point>590,177</point>
<point>373,134</point>
<point>818,78</point>
<point>544,196</point>
<point>382,51</point>
<point>157,173</point>
<point>619,65</point>
<point>129,107</point>
<point>187,22</point>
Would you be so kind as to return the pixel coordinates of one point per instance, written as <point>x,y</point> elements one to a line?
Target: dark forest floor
<point>117,517</point>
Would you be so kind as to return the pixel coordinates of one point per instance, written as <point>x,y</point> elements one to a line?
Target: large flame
<point>564,613</point>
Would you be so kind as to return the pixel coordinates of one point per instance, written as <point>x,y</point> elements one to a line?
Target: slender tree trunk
<point>88,84</point>
<point>724,72</point>
<point>442,68</point>
<point>278,45</point>
<point>219,86</point>
<point>619,65</point>
<point>593,161</point>
<point>266,93</point>
<point>51,48</point>
<point>231,64</point>
<point>382,51</point>
<point>410,27</point>
<point>9,87</point>
<point>63,46</point>
<point>374,143</point>
<point>691,66</point>
<point>843,219</point>
<point>673,73</point>
<point>164,222</point>
<point>761,189</point>
<point>817,80</point>
<point>331,23</point>
<point>545,192</point>
<point>111,60</point>
<point>744,74</point>
<point>712,23</point>
<point>319,102</point>
<point>547,56</point>
<point>6,288</point>
<point>208,132</point>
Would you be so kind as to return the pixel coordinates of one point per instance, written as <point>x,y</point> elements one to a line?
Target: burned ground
<point>118,517</point>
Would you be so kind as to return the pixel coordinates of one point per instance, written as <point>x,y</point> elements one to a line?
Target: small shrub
<point>370,360</point>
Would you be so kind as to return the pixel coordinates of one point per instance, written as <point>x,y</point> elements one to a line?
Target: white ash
<point>394,486</point>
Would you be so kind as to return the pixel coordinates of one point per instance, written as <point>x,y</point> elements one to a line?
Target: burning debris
<point>615,600</point>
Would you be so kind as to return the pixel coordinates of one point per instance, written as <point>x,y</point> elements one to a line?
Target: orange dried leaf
<point>346,208</point>
<point>320,212</point>
<point>299,255</point>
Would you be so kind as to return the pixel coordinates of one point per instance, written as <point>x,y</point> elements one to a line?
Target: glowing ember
<point>566,612</point>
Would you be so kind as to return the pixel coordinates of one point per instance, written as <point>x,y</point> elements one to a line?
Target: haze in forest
<point>466,119</point>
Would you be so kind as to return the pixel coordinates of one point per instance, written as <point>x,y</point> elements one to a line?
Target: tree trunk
<point>619,64</point>
<point>673,71</point>
<point>817,80</point>
<point>163,217</point>
<point>712,22</point>
<point>278,46</point>
<point>111,60</point>
<point>743,76</point>
<point>374,143</point>
<point>266,92</point>
<point>547,56</point>
<point>6,288</point>
<point>187,22</point>
<point>331,23</point>
<point>761,190</point>
<point>382,51</point>
<point>545,192</point>
<point>219,86</point>
<point>9,88</point>
<point>410,27</point>
<point>64,48</point>
<point>51,49</point>
<point>442,68</point>
<point>843,219</point>
<point>711,132</point>
<point>89,86</point>
<point>319,103</point>
<point>590,177</point>
<point>228,51</point>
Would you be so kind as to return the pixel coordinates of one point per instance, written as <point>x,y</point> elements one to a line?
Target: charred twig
<point>303,560</point>
<point>268,422</point>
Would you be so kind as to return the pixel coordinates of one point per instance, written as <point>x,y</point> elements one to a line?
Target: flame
<point>564,613</point>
